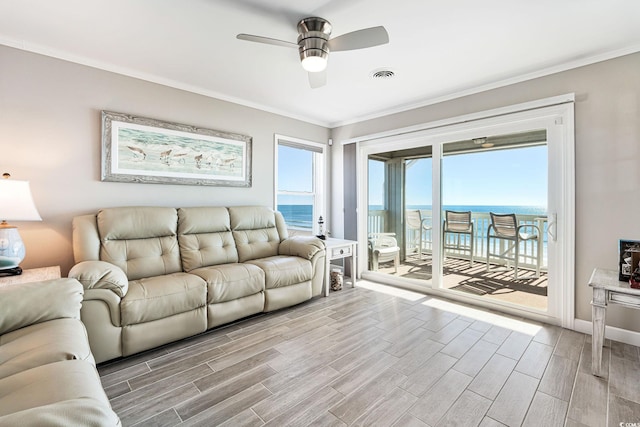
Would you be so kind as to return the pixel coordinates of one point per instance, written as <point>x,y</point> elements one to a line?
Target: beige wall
<point>607,119</point>
<point>50,136</point>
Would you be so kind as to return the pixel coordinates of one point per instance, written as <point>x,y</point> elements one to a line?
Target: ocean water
<point>501,209</point>
<point>301,216</point>
<point>298,216</point>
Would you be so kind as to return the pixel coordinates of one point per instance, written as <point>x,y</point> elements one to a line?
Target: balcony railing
<point>378,220</point>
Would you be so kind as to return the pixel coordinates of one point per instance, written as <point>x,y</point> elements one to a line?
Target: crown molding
<point>65,56</point>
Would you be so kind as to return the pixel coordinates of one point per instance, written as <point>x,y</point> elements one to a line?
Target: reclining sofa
<point>47,372</point>
<point>153,275</point>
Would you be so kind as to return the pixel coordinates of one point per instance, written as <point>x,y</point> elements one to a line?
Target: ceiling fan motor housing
<point>313,38</point>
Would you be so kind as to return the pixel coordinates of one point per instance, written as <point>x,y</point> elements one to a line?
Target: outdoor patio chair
<point>418,230</point>
<point>505,227</point>
<point>458,224</point>
<point>383,247</point>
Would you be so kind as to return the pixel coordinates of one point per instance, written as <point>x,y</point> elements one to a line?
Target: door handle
<point>552,228</point>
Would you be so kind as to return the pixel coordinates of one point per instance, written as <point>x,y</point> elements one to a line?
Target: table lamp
<point>16,204</point>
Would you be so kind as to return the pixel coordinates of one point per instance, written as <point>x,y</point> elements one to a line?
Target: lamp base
<point>15,271</point>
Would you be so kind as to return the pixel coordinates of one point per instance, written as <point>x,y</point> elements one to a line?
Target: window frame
<point>319,177</point>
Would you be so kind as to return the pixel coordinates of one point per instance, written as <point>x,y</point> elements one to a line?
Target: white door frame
<point>557,116</point>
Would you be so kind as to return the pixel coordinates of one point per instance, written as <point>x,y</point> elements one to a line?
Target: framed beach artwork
<point>142,150</point>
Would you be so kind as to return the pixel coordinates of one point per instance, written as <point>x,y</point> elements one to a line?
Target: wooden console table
<point>607,289</point>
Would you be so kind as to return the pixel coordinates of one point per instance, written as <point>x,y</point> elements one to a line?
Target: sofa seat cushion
<point>43,343</point>
<point>50,384</point>
<point>281,271</point>
<point>158,297</point>
<point>228,282</point>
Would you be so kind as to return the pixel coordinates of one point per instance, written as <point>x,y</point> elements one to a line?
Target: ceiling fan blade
<point>317,80</point>
<point>368,37</point>
<point>265,40</point>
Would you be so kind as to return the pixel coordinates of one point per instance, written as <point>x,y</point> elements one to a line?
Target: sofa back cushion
<point>204,235</point>
<point>142,241</point>
<point>254,231</point>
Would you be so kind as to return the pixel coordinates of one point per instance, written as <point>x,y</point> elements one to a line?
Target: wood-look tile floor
<point>377,356</point>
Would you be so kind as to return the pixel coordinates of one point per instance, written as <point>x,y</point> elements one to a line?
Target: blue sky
<point>294,174</point>
<point>502,177</point>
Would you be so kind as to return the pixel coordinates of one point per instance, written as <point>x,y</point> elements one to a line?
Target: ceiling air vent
<point>382,74</point>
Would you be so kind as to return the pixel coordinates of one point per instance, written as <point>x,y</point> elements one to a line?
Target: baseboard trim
<point>610,332</point>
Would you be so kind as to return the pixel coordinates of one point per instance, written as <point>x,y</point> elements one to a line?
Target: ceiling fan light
<point>314,61</point>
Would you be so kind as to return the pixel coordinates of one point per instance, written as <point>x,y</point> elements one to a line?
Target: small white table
<point>606,289</point>
<point>339,249</point>
<point>32,275</point>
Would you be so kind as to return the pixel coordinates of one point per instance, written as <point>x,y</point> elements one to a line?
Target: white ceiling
<point>438,49</point>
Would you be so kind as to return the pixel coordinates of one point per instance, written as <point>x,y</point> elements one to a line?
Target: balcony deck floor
<point>458,275</point>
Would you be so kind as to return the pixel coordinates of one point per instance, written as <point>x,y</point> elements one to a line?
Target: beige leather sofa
<point>153,275</point>
<point>47,372</point>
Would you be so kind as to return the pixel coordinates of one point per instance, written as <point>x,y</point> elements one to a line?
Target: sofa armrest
<point>108,298</point>
<point>29,303</point>
<point>303,246</point>
<point>101,275</point>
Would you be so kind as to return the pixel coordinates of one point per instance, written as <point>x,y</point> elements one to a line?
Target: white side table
<point>607,289</point>
<point>32,275</point>
<point>339,249</point>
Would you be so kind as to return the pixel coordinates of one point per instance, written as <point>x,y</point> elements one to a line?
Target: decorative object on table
<point>320,234</point>
<point>634,280</point>
<point>336,279</point>
<point>629,257</point>
<point>16,204</point>
<point>142,150</point>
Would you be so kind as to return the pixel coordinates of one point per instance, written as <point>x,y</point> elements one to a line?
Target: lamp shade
<point>16,202</point>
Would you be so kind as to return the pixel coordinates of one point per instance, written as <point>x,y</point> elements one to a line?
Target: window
<point>377,193</point>
<point>300,183</point>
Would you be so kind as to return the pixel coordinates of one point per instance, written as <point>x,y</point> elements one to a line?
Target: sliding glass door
<point>475,210</point>
<point>499,183</point>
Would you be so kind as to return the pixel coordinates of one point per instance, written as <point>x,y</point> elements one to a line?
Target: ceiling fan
<point>314,44</point>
